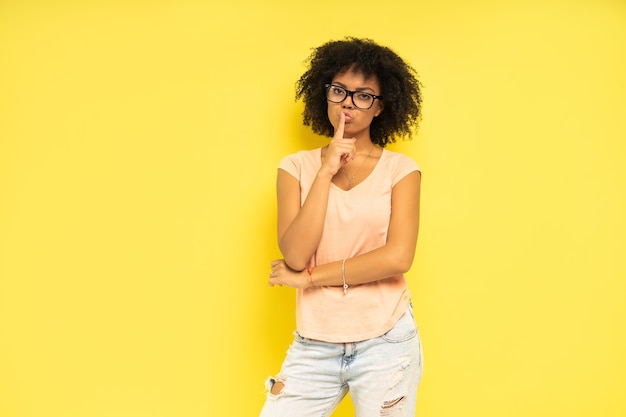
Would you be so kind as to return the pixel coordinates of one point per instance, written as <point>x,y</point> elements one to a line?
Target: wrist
<point>324,174</point>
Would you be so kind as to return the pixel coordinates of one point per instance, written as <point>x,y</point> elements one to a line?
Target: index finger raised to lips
<point>340,128</point>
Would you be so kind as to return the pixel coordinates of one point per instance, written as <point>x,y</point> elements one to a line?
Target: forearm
<point>378,264</point>
<point>301,238</point>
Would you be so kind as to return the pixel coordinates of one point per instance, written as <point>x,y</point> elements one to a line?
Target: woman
<point>348,217</point>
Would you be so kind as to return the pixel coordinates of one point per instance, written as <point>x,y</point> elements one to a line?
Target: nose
<point>347,102</point>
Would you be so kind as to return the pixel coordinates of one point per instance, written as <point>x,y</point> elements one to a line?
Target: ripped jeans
<point>382,375</point>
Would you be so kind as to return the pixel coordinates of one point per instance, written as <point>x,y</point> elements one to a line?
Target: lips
<point>349,117</point>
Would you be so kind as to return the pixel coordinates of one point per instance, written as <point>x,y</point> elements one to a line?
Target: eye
<point>337,90</point>
<point>364,96</point>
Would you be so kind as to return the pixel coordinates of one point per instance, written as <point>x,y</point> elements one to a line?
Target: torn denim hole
<point>392,408</point>
<point>398,374</point>
<point>275,386</point>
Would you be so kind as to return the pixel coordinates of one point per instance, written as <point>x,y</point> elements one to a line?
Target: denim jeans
<point>381,374</point>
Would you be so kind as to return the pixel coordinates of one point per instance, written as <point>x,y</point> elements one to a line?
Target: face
<point>357,120</point>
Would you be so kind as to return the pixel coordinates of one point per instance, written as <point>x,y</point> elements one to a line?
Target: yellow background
<point>138,148</point>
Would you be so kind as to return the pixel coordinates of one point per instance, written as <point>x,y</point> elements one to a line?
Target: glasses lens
<point>362,100</point>
<point>336,94</point>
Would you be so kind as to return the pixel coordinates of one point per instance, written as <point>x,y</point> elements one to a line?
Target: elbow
<point>293,257</point>
<point>403,267</point>
<point>295,262</point>
<point>403,262</point>
<point>296,265</point>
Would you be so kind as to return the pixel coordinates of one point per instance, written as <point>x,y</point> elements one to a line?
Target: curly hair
<point>400,87</point>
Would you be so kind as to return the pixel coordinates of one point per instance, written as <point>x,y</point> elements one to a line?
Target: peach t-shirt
<point>356,222</point>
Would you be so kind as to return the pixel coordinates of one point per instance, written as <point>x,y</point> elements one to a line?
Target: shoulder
<point>399,164</point>
<point>399,159</point>
<point>295,163</point>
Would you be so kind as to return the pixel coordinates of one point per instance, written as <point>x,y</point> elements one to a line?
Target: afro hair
<point>400,87</point>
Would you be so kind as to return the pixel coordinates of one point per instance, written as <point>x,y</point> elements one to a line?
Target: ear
<point>381,107</point>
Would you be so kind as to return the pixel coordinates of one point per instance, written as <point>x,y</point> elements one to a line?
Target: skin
<point>300,228</point>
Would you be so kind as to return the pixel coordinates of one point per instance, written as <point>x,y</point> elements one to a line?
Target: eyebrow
<point>358,89</point>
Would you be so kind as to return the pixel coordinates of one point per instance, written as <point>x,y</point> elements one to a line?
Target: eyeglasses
<point>360,99</point>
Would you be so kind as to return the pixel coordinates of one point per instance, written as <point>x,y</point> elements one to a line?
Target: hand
<point>283,275</point>
<point>340,150</point>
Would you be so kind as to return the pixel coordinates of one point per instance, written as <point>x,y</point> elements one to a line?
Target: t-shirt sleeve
<point>291,164</point>
<point>403,167</point>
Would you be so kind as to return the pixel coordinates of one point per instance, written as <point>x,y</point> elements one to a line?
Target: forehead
<point>356,79</point>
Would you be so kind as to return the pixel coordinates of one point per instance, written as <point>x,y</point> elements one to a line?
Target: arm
<point>395,257</point>
<point>300,228</point>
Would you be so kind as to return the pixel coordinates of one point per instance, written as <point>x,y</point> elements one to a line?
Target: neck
<point>364,145</point>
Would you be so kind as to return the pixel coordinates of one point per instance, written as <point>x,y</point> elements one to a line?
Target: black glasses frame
<point>351,95</point>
